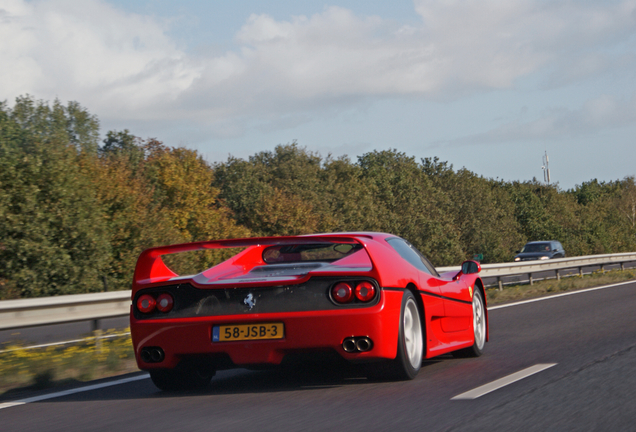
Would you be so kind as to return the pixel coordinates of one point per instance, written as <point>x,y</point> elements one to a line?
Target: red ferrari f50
<point>370,297</point>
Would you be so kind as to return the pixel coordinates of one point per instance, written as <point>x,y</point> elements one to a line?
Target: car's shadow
<point>291,377</point>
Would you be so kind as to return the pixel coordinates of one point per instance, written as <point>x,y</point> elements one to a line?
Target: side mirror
<point>517,252</point>
<point>468,267</point>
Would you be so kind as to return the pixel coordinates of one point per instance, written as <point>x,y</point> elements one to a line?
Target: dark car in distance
<point>540,250</point>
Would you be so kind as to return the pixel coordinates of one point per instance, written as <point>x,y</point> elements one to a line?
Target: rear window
<point>536,247</point>
<point>412,255</point>
<point>326,252</point>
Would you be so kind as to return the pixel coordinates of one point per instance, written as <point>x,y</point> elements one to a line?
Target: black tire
<point>479,329</point>
<point>181,378</point>
<point>410,353</point>
<point>166,379</point>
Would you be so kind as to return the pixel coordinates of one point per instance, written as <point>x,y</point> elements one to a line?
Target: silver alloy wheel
<point>479,321</point>
<point>413,342</point>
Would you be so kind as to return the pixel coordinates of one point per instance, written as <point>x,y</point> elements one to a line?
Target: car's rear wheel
<point>408,361</point>
<point>181,378</point>
<point>479,328</point>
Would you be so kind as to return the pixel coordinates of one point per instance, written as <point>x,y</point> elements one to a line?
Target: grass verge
<point>24,370</point>
<point>542,288</point>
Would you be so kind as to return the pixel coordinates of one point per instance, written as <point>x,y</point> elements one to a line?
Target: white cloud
<point>90,52</point>
<point>123,65</point>
<point>601,113</point>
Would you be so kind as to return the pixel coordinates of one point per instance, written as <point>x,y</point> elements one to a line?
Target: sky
<point>489,85</point>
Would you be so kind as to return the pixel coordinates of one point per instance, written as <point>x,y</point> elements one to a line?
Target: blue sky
<point>489,85</point>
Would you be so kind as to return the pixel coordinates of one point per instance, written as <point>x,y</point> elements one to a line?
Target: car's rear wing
<point>150,267</point>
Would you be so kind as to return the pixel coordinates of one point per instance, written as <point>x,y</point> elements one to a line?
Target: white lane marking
<point>72,391</point>
<point>502,382</point>
<point>559,295</point>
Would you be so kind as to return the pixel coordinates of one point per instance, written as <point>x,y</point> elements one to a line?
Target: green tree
<point>53,239</point>
<point>626,202</point>
<point>184,193</point>
<point>275,193</point>
<point>480,209</point>
<point>126,200</point>
<point>413,208</point>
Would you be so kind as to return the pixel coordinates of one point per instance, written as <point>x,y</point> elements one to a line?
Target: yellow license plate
<point>241,332</point>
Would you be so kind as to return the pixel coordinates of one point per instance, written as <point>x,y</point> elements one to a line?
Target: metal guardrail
<point>63,309</point>
<point>556,265</point>
<point>85,307</point>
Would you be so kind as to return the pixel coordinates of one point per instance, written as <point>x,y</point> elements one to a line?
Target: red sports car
<point>369,297</point>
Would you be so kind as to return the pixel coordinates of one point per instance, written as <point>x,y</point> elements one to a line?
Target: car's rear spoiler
<point>151,268</point>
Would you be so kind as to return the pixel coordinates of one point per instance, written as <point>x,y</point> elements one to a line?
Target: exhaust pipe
<point>156,354</point>
<point>364,344</point>
<point>145,356</point>
<point>357,344</point>
<point>349,345</point>
<point>152,355</point>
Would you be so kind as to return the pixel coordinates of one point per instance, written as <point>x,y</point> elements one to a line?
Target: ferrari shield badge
<point>470,291</point>
<point>249,301</point>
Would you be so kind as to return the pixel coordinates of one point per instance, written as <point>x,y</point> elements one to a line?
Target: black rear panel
<point>310,296</point>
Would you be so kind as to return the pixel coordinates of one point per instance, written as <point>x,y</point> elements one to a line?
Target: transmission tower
<point>546,169</point>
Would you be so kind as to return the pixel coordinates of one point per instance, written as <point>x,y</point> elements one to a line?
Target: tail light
<point>146,303</point>
<point>365,291</point>
<point>342,292</point>
<point>165,302</point>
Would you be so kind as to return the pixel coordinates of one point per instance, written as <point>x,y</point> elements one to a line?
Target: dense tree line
<point>75,212</point>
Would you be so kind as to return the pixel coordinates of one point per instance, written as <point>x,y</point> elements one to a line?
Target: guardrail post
<point>558,276</point>
<point>499,283</point>
<point>622,266</point>
<point>97,332</point>
<point>530,277</point>
<point>580,271</point>
<point>602,268</point>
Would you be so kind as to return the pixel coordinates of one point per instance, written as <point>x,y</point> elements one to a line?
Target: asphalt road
<point>590,336</point>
